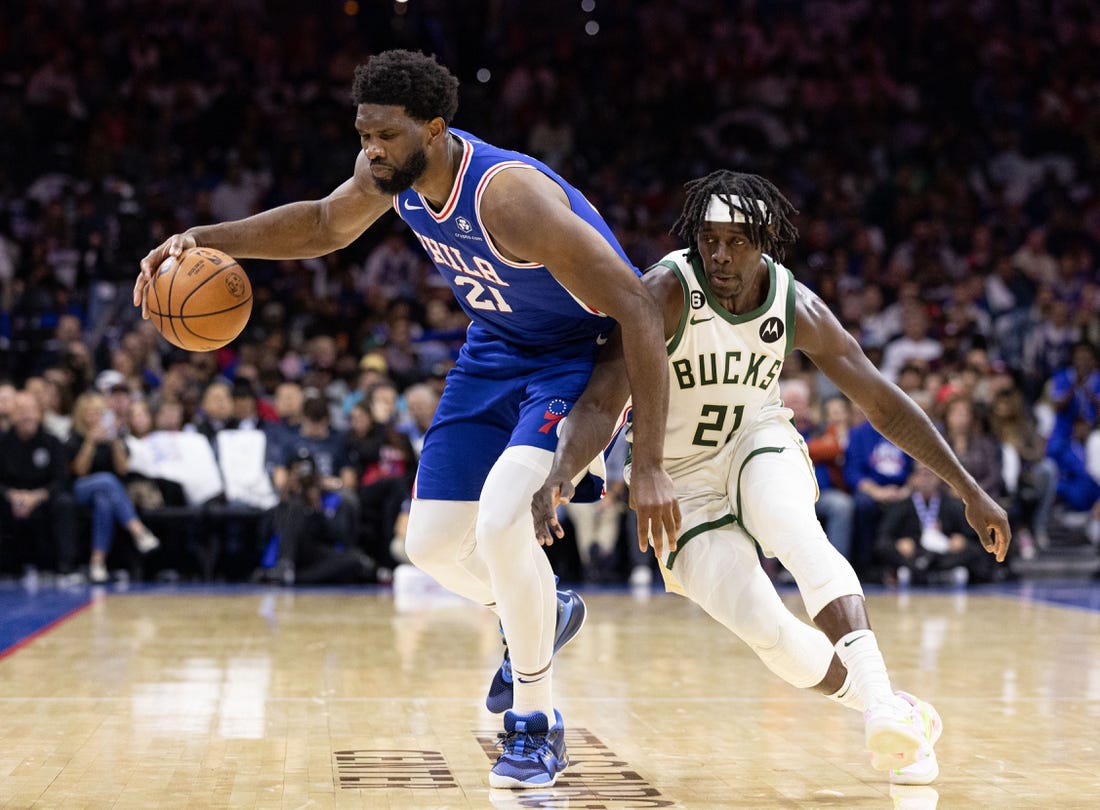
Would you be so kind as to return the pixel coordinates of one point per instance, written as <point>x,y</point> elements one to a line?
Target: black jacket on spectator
<point>38,463</point>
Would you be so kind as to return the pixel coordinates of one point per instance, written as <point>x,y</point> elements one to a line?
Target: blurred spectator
<point>216,412</point>
<point>246,411</point>
<point>926,534</point>
<point>384,463</point>
<point>35,501</point>
<point>7,405</point>
<point>826,442</point>
<point>974,445</point>
<point>598,529</point>
<point>54,408</point>
<point>1030,477</point>
<point>98,463</point>
<point>393,269</point>
<point>420,403</point>
<point>914,345</point>
<point>316,484</point>
<point>877,472</point>
<point>1074,391</point>
<point>288,402</point>
<point>1077,489</point>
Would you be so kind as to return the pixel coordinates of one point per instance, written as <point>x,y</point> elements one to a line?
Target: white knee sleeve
<point>787,527</point>
<point>439,540</point>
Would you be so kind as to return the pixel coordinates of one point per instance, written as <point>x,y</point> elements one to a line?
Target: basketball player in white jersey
<point>742,472</point>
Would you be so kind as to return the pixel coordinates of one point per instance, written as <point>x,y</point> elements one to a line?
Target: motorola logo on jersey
<point>771,330</point>
<point>697,299</point>
<point>464,224</point>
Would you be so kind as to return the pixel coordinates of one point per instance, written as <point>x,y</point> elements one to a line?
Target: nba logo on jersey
<point>555,412</point>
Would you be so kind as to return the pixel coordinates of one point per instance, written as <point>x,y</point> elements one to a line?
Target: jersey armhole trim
<point>685,307</point>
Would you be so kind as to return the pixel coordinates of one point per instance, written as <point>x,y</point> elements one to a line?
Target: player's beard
<point>404,176</point>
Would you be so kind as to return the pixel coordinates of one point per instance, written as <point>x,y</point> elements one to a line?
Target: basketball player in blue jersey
<point>731,312</point>
<point>542,280</point>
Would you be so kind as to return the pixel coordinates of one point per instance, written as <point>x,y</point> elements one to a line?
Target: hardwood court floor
<point>257,698</point>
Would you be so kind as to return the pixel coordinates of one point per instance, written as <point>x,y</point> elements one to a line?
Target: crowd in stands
<point>945,158</point>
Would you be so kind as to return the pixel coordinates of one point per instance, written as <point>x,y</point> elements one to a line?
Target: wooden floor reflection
<point>282,699</point>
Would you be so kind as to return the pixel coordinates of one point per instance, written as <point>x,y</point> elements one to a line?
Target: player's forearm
<point>647,369</point>
<point>292,231</point>
<point>584,435</point>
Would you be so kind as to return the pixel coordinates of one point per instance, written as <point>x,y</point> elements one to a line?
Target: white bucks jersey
<point>723,368</point>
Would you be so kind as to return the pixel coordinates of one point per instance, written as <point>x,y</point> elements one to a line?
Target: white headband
<point>720,207</point>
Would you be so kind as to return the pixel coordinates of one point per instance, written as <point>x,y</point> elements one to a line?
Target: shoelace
<point>521,743</point>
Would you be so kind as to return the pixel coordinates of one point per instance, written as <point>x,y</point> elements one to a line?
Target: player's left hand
<point>544,509</point>
<point>653,497</point>
<point>989,520</point>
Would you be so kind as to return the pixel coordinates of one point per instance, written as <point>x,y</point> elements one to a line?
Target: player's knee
<point>822,573</point>
<point>501,527</point>
<point>428,550</point>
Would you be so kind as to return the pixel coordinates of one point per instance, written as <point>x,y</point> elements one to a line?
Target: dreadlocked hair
<point>409,79</point>
<point>769,229</point>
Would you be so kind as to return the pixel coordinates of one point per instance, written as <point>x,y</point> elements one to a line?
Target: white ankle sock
<point>535,695</point>
<point>859,652</point>
<point>847,695</point>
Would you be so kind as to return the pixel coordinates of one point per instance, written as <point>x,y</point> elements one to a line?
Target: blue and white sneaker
<point>532,751</point>
<point>571,613</point>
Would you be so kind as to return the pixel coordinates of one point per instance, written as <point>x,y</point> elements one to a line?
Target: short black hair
<point>315,409</point>
<point>769,230</point>
<point>409,79</point>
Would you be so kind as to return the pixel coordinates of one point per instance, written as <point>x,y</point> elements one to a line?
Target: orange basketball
<point>200,301</point>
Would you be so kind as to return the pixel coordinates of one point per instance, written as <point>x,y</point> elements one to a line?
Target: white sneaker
<point>97,573</point>
<point>924,768</point>
<point>146,542</point>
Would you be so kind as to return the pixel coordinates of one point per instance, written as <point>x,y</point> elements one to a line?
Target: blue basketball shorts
<point>496,396</point>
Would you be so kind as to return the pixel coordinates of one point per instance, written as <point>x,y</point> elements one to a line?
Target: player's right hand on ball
<point>173,246</point>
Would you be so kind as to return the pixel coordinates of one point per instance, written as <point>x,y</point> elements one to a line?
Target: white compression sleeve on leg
<point>439,540</point>
<point>721,573</point>
<point>790,530</point>
<point>523,581</point>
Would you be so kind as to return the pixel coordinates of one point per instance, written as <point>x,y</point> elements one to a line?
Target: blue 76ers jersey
<point>519,302</point>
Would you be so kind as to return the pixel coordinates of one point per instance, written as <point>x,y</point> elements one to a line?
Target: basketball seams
<point>171,283</point>
<point>185,319</point>
<point>183,332</point>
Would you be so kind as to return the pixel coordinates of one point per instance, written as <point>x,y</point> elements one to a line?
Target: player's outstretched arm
<point>298,230</point>
<point>835,352</point>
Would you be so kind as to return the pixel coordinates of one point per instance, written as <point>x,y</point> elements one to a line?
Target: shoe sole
<point>893,749</point>
<point>498,781</point>
<point>896,765</point>
<point>578,612</point>
<point>912,777</point>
